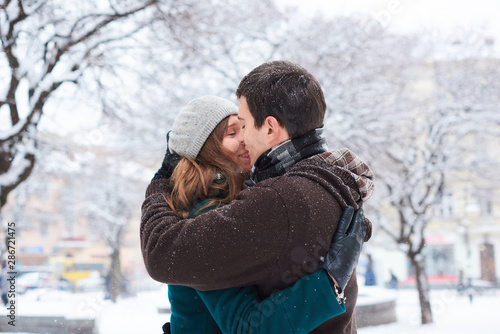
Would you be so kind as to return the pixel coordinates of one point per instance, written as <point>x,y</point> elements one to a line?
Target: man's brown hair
<point>286,91</point>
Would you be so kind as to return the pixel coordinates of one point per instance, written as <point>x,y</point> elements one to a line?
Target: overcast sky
<point>414,15</point>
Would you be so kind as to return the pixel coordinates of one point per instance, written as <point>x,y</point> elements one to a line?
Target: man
<point>279,228</point>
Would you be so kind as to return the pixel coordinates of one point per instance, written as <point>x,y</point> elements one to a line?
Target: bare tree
<point>46,44</point>
<point>109,215</point>
<point>424,154</point>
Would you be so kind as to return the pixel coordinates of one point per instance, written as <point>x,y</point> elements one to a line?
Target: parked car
<point>33,280</point>
<point>95,282</point>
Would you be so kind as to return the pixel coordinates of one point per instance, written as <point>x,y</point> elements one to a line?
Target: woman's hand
<point>168,165</point>
<point>343,255</point>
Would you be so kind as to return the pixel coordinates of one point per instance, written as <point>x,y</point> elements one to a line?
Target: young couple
<point>277,253</point>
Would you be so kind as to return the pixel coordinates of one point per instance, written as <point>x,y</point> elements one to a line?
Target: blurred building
<point>462,239</point>
<point>69,222</point>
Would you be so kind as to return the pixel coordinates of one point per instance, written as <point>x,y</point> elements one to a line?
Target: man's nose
<point>241,138</point>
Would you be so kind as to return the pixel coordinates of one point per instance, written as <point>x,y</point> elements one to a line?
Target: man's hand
<point>170,161</point>
<point>343,255</point>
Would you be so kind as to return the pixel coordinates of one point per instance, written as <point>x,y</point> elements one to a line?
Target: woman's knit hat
<point>196,121</point>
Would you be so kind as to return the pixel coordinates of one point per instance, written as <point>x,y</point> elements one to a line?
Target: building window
<point>44,227</point>
<point>447,205</point>
<point>484,201</point>
<point>487,207</point>
<point>439,260</point>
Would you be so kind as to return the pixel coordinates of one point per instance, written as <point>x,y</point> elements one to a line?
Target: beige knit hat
<point>196,121</point>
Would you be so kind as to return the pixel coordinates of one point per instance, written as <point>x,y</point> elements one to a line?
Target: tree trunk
<point>423,288</point>
<point>14,175</point>
<point>115,275</point>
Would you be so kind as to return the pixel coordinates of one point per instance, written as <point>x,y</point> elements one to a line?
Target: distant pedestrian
<point>470,290</point>
<point>4,284</point>
<point>370,276</point>
<point>393,282</point>
<point>108,279</point>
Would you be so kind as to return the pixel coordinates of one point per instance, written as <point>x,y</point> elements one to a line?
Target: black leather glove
<point>343,255</point>
<point>168,165</point>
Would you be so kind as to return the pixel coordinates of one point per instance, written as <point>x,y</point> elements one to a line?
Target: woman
<point>208,136</point>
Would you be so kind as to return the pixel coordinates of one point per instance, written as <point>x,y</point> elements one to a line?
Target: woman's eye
<point>231,134</point>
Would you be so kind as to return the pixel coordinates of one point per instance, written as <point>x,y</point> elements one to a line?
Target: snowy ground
<point>452,314</point>
<point>139,314</point>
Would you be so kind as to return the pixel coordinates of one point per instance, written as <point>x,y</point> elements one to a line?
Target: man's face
<point>256,141</point>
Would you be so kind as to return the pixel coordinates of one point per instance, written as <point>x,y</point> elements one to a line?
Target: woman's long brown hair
<point>193,180</point>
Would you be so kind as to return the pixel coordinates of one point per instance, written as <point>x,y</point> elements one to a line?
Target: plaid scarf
<point>358,169</point>
<point>279,159</point>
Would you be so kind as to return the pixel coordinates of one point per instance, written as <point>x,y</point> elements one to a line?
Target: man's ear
<point>276,134</point>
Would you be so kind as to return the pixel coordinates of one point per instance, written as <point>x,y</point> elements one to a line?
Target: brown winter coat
<point>271,235</point>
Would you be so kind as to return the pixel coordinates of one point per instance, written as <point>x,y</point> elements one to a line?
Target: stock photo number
<point>11,267</point>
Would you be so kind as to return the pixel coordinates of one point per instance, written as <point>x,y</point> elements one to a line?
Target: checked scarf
<point>279,159</point>
<point>358,169</point>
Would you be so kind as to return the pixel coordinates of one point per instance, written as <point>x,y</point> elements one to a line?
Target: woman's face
<point>234,144</point>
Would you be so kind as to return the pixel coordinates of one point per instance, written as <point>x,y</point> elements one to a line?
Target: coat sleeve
<point>236,245</point>
<point>297,309</point>
<point>188,312</point>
